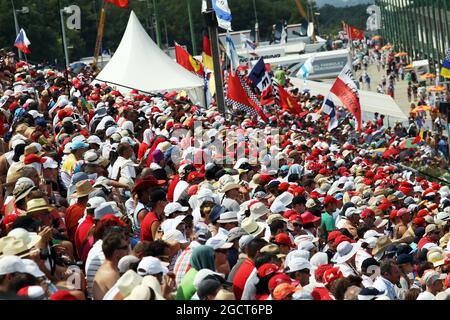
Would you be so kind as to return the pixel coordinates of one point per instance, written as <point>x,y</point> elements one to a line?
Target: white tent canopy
<point>371,102</point>
<point>139,63</point>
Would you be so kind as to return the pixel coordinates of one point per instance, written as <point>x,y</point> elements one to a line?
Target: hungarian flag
<point>119,3</point>
<point>22,42</point>
<point>238,97</point>
<point>355,33</point>
<point>207,53</point>
<point>187,61</point>
<point>286,101</point>
<point>346,90</point>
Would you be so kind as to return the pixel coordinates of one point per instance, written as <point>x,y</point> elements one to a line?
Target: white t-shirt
<point>249,292</point>
<point>94,260</point>
<point>425,296</point>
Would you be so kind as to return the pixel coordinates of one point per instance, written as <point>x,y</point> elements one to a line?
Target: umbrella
<point>436,89</point>
<point>407,144</point>
<point>421,109</point>
<point>387,47</point>
<point>375,38</point>
<point>401,54</point>
<point>77,66</point>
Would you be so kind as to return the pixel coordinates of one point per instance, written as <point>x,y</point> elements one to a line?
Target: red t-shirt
<point>146,226</point>
<point>73,214</point>
<point>242,274</point>
<point>80,236</point>
<point>423,242</point>
<point>321,293</point>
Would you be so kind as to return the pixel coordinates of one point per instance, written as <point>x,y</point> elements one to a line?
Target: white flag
<point>232,54</point>
<point>306,68</point>
<point>223,13</point>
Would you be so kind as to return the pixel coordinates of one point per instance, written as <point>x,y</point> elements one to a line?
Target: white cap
<point>218,243</point>
<point>124,263</point>
<point>174,207</point>
<point>244,240</point>
<point>95,202</point>
<point>34,113</point>
<point>297,264</point>
<point>151,266</point>
<point>109,132</point>
<point>431,276</point>
<point>94,139</point>
<point>16,142</point>
<point>202,274</point>
<point>50,163</point>
<point>11,264</point>
<point>106,208</point>
<point>306,245</point>
<point>171,224</point>
<point>228,217</point>
<point>174,235</point>
<point>352,211</point>
<point>32,268</point>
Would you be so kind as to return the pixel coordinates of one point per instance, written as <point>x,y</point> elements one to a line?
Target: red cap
<point>342,238</point>
<point>393,214</point>
<point>33,158</point>
<point>422,213</point>
<point>288,213</point>
<point>113,218</point>
<point>284,186</point>
<point>62,295</point>
<point>402,211</point>
<point>367,212</point>
<point>266,269</point>
<point>296,217</point>
<point>279,279</point>
<point>283,238</point>
<point>331,275</point>
<point>321,270</point>
<point>195,175</point>
<point>264,178</point>
<point>308,217</point>
<point>333,235</point>
<point>329,199</point>
<point>419,221</point>
<point>384,206</point>
<point>9,219</point>
<point>192,190</point>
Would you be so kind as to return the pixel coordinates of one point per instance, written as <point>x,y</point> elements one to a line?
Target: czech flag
<point>22,42</point>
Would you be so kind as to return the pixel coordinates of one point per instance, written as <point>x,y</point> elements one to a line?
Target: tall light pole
<point>24,10</point>
<point>191,27</point>
<point>158,30</point>
<point>256,22</point>
<point>63,32</point>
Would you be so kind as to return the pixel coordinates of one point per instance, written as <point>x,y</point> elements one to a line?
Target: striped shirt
<point>94,260</point>
<point>182,264</point>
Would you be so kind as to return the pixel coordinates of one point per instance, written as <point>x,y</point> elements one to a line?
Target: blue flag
<point>259,76</point>
<point>232,54</point>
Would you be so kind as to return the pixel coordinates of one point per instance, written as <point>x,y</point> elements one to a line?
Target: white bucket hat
<point>346,250</point>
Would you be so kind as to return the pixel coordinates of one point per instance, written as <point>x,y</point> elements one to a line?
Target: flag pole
<point>211,22</point>
<point>16,25</point>
<point>191,26</point>
<point>101,27</point>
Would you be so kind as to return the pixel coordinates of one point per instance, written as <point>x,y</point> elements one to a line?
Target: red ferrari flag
<point>355,33</point>
<point>286,101</point>
<point>187,61</point>
<point>346,90</point>
<point>119,3</point>
<point>238,97</point>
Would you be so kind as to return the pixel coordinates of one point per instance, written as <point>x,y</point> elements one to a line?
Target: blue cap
<point>215,213</point>
<point>339,196</point>
<point>405,258</point>
<point>78,145</point>
<point>284,168</point>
